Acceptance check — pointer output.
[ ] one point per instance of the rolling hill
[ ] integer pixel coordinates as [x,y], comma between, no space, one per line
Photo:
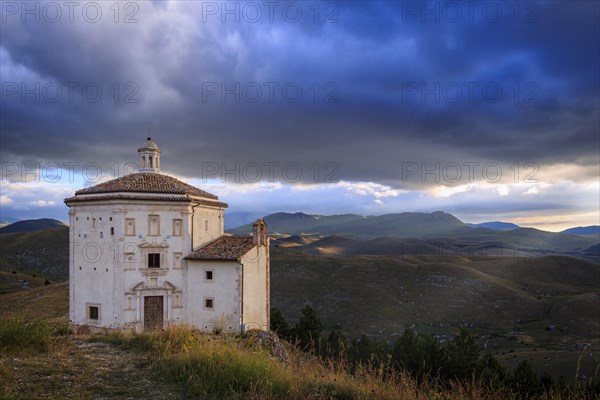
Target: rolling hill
[30,225]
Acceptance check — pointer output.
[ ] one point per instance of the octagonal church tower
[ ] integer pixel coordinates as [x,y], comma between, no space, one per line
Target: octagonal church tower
[147,250]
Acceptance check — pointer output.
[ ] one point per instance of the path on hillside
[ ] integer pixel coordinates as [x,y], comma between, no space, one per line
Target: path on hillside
[83,370]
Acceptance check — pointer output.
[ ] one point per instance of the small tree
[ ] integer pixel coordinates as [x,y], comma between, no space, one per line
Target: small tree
[279,325]
[525,381]
[308,329]
[490,371]
[337,345]
[463,356]
[419,355]
[363,349]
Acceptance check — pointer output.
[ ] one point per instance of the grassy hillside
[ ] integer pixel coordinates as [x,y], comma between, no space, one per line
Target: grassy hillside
[550,304]
[381,295]
[48,302]
[44,252]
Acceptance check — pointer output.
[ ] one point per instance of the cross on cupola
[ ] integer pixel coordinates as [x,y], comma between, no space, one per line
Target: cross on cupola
[149,157]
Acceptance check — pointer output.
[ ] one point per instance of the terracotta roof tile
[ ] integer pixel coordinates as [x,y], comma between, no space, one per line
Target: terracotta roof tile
[147,182]
[158,197]
[224,248]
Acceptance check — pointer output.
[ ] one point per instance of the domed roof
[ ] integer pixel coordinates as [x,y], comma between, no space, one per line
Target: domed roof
[147,185]
[147,182]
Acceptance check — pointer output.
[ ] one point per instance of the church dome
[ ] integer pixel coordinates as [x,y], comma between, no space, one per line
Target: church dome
[148,184]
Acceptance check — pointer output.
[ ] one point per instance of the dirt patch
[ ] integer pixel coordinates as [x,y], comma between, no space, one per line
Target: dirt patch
[83,370]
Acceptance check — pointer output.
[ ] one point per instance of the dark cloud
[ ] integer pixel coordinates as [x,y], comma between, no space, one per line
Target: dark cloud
[372,62]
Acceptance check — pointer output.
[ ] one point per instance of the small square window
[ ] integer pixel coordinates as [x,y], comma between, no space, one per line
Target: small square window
[94,312]
[208,275]
[154,260]
[112,230]
[208,303]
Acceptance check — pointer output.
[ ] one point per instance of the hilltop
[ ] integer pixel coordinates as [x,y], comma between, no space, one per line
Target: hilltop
[30,225]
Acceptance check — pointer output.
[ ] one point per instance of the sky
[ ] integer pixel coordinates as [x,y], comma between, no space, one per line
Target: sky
[487,110]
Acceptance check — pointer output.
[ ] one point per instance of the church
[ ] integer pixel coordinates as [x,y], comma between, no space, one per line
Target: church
[147,251]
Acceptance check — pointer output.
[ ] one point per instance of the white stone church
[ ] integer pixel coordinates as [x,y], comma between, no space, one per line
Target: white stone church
[148,251]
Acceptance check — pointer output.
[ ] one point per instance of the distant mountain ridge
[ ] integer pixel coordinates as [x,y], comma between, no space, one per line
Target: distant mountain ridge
[412,233]
[31,225]
[398,225]
[583,230]
[496,225]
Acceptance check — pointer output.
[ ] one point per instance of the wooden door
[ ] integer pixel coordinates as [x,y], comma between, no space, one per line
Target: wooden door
[153,313]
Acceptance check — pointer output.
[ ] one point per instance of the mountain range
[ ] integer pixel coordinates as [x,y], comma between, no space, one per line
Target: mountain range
[398,225]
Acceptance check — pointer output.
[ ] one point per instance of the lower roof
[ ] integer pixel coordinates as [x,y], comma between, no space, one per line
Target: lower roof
[224,248]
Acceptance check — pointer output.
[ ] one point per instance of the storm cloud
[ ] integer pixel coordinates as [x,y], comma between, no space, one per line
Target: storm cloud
[372,88]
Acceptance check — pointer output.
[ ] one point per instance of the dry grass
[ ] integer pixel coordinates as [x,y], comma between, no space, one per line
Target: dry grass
[226,367]
[50,303]
[183,363]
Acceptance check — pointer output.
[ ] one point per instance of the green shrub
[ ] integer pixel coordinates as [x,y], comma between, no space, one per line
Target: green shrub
[20,335]
[61,330]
